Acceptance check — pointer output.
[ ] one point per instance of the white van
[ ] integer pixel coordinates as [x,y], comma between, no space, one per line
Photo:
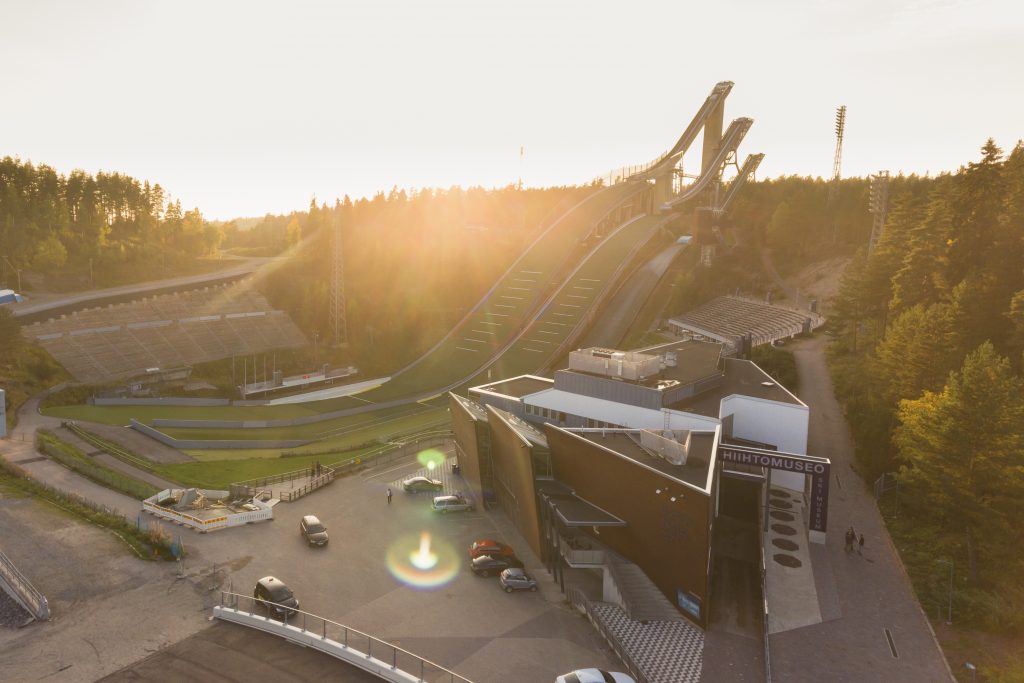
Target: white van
[456,503]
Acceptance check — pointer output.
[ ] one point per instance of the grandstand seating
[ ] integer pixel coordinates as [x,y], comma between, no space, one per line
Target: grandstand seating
[730,318]
[166,330]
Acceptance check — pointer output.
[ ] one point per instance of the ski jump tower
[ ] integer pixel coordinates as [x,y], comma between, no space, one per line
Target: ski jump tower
[672,192]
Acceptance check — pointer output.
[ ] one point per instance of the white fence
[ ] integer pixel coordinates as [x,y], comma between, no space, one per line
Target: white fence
[359,649]
[23,591]
[203,525]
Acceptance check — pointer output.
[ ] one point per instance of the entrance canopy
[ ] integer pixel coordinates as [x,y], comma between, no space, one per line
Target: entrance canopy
[572,510]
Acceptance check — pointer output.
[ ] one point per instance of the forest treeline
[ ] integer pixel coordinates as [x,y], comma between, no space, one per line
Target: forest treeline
[50,221]
[414,263]
[929,337]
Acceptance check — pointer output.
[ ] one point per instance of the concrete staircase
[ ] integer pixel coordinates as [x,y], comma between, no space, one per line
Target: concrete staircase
[637,594]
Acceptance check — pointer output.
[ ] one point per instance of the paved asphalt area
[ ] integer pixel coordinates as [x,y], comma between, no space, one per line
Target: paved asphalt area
[466,623]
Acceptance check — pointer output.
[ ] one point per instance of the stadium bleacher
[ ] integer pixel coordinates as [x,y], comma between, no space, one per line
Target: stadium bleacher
[168,330]
[730,318]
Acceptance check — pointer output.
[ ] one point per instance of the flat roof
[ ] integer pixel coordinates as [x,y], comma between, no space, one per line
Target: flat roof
[627,443]
[516,387]
[475,410]
[615,413]
[695,360]
[742,377]
[524,429]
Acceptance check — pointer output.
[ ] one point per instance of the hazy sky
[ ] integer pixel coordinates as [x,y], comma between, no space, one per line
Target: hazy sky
[244,108]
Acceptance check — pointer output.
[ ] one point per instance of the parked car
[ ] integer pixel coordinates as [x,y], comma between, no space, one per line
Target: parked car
[594,676]
[314,532]
[456,503]
[515,579]
[275,597]
[490,547]
[485,565]
[415,484]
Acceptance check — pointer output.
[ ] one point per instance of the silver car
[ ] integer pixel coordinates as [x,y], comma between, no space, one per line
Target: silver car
[515,579]
[456,503]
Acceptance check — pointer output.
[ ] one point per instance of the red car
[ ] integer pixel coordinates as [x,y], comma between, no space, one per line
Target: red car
[490,547]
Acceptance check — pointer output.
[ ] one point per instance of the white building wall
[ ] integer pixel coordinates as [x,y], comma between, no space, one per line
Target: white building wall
[784,425]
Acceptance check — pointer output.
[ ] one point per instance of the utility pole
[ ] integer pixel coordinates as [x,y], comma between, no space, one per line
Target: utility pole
[837,163]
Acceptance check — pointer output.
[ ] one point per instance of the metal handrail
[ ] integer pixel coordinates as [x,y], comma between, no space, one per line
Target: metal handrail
[231,601]
[578,598]
[24,588]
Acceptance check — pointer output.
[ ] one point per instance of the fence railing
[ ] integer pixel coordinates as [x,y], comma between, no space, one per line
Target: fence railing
[114,450]
[765,615]
[338,640]
[27,593]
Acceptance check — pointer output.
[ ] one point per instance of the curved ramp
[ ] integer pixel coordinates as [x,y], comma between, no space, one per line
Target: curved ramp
[508,307]
[730,141]
[718,94]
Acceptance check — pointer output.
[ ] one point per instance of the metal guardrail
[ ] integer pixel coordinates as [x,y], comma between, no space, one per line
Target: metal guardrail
[764,612]
[35,601]
[336,639]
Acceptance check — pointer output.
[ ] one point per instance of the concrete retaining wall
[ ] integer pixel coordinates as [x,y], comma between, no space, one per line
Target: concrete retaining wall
[184,444]
[166,401]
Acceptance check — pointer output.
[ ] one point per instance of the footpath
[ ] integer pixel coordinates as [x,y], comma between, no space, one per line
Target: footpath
[878,631]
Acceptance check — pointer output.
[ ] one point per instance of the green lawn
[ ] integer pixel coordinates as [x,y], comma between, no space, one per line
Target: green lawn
[370,430]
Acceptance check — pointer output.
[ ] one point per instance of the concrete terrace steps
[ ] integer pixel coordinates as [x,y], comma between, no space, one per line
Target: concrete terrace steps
[641,599]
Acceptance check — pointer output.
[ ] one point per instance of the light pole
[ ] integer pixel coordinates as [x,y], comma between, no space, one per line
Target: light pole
[949,609]
[973,669]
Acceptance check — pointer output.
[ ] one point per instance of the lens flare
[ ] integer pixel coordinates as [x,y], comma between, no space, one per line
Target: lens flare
[422,558]
[431,458]
[422,561]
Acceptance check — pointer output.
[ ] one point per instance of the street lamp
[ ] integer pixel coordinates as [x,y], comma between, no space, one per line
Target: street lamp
[973,669]
[949,609]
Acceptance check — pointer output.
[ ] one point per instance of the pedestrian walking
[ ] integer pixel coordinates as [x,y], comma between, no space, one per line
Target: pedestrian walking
[860,545]
[389,496]
[851,536]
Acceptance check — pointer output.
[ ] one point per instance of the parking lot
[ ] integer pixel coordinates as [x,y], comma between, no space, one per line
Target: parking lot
[465,623]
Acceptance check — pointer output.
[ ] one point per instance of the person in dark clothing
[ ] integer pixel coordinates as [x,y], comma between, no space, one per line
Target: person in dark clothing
[389,496]
[860,545]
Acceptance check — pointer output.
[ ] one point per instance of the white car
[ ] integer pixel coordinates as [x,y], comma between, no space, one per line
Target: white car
[456,503]
[594,676]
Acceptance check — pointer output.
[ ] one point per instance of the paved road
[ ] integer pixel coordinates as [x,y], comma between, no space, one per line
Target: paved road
[873,592]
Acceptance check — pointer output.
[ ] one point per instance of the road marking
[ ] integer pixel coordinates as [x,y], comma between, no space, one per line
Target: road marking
[532,350]
[463,348]
[531,272]
[506,296]
[892,645]
[521,279]
[552,322]
[541,341]
[503,306]
[587,288]
[551,333]
[470,339]
[566,315]
[588,279]
[482,332]
[522,289]
[571,305]
[577,296]
[500,315]
[488,322]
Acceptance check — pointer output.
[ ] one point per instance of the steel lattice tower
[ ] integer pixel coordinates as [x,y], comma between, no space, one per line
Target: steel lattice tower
[339,325]
[878,204]
[838,161]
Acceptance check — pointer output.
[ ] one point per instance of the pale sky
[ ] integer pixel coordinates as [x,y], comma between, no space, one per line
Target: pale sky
[245,108]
